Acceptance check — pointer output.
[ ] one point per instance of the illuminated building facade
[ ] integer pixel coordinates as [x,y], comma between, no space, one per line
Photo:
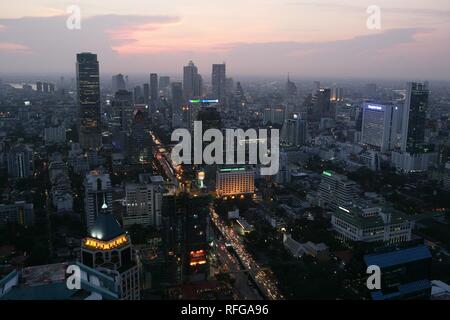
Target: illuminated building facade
[235,181]
[379,126]
[108,249]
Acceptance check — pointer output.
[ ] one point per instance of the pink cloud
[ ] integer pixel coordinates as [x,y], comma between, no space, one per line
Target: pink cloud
[10,46]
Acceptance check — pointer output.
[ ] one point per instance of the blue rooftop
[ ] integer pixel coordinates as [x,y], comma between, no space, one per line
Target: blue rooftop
[403,289]
[402,256]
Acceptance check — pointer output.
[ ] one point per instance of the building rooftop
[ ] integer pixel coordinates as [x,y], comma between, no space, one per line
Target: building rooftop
[355,216]
[402,256]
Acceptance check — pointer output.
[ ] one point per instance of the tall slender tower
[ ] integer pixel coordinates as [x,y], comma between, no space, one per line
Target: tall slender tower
[414,117]
[88,96]
[219,82]
[192,82]
[154,96]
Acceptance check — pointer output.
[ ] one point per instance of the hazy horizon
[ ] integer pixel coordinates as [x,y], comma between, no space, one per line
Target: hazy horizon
[265,38]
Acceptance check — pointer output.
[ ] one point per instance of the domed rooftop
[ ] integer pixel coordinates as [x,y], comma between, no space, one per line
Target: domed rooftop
[106,227]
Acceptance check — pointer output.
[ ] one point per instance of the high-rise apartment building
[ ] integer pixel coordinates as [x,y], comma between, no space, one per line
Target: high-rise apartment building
[143,202]
[20,162]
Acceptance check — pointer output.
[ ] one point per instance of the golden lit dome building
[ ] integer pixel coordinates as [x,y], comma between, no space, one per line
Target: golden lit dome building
[108,249]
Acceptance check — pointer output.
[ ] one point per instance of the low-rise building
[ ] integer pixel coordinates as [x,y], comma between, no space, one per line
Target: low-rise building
[372,224]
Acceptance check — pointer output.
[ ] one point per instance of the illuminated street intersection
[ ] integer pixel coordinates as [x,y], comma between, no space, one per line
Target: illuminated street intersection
[262,277]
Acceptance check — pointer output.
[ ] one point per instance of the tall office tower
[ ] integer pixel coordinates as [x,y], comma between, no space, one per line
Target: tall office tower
[143,204]
[137,93]
[184,235]
[122,110]
[39,87]
[45,87]
[177,104]
[414,117]
[379,126]
[235,181]
[138,145]
[295,131]
[118,83]
[219,82]
[20,162]
[108,249]
[51,87]
[88,93]
[164,83]
[97,190]
[316,88]
[154,91]
[322,105]
[336,190]
[192,82]
[291,88]
[337,94]
[146,93]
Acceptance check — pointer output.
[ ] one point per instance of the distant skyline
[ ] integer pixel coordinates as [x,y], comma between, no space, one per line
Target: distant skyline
[307,38]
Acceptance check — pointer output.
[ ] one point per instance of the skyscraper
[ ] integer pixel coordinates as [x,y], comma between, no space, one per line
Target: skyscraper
[122,106]
[118,83]
[154,95]
[219,81]
[291,88]
[146,93]
[184,236]
[192,82]
[379,126]
[164,82]
[321,104]
[177,103]
[138,95]
[295,131]
[414,117]
[88,94]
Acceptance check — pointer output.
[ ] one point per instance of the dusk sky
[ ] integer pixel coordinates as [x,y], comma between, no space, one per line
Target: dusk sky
[308,38]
